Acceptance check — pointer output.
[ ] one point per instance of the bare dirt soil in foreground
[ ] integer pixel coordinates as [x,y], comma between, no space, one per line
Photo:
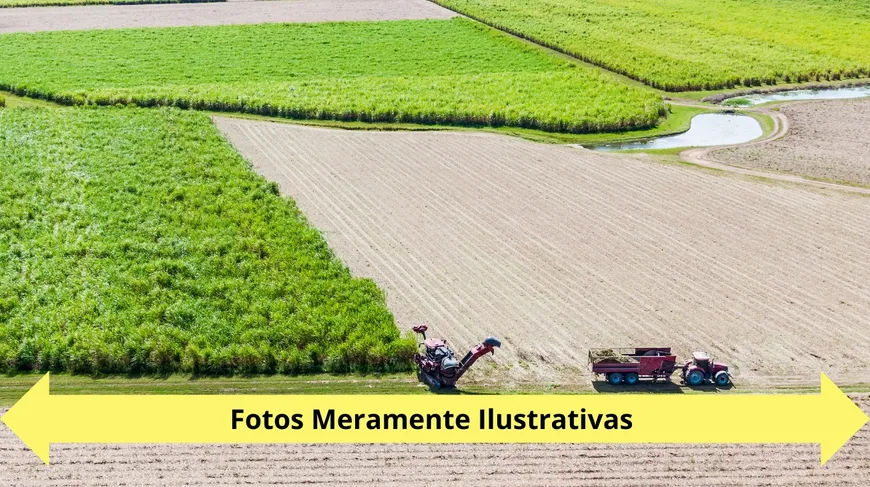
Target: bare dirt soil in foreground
[555,249]
[403,465]
[827,140]
[34,19]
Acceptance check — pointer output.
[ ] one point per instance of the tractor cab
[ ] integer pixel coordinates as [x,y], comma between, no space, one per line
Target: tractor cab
[701,360]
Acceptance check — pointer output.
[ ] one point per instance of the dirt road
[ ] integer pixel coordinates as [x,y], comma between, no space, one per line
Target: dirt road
[35,19]
[828,140]
[555,250]
[402,465]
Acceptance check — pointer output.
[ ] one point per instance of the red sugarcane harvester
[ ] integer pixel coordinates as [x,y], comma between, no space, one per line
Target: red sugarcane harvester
[629,365]
[436,365]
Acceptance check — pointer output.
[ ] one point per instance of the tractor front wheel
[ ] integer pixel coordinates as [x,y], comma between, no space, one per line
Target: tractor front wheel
[631,378]
[695,377]
[615,378]
[722,379]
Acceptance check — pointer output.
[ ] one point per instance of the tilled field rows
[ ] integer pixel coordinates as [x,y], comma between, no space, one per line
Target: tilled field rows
[228,13]
[555,249]
[485,465]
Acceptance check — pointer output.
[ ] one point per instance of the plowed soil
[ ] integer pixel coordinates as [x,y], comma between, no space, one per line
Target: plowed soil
[403,465]
[35,19]
[827,140]
[556,250]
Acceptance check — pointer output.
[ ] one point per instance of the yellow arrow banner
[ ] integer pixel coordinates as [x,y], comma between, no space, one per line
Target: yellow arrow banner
[829,418]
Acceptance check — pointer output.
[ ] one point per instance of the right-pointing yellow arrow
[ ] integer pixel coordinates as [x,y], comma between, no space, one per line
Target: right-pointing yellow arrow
[842,418]
[829,418]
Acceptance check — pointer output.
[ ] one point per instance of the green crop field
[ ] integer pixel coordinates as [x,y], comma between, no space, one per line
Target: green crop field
[139,241]
[431,71]
[682,45]
[45,3]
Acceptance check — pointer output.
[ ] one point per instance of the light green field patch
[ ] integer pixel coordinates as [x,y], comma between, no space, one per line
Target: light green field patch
[682,45]
[430,71]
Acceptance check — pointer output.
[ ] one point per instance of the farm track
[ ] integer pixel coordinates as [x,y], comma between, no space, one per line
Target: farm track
[485,465]
[706,156]
[36,19]
[555,250]
[825,139]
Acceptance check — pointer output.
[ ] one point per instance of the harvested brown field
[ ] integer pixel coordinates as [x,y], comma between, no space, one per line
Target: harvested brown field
[35,19]
[827,140]
[556,250]
[400,465]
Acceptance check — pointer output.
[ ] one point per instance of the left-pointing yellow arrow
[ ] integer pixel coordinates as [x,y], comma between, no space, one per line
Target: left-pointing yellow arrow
[27,417]
[829,418]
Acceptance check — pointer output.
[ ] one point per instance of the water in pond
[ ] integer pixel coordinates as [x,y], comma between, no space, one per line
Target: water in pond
[708,129]
[794,95]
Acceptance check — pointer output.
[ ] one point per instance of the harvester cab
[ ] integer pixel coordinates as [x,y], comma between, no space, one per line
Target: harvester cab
[436,364]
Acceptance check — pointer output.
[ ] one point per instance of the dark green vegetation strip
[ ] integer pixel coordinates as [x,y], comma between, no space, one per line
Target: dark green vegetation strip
[430,71]
[58,3]
[139,241]
[678,120]
[683,45]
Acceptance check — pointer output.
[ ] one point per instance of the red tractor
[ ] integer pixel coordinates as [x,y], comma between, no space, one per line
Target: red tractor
[436,365]
[701,368]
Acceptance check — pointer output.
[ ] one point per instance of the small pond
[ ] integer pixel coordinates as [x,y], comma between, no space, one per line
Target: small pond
[708,129]
[795,95]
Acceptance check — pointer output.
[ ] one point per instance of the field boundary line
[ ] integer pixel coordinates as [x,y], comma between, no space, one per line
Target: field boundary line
[547,45]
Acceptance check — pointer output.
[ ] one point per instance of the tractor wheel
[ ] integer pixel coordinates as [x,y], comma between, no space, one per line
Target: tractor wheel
[631,378]
[695,377]
[615,378]
[722,379]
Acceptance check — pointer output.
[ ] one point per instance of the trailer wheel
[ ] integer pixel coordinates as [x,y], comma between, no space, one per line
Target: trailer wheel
[615,378]
[695,377]
[631,378]
[722,379]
